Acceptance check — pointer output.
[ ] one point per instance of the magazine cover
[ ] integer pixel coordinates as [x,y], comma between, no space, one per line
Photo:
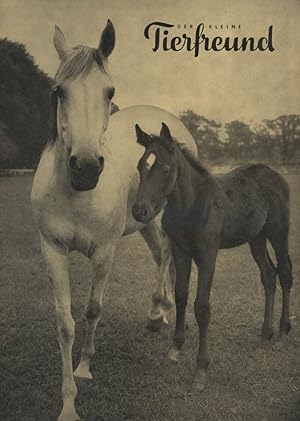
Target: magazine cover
[149,196]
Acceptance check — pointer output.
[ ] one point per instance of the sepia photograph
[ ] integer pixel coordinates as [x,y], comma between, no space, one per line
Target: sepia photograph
[149,196]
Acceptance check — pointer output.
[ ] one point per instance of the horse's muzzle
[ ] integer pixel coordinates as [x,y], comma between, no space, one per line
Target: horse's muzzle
[85,173]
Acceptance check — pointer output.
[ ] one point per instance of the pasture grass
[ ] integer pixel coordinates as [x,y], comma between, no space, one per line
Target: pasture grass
[133,380]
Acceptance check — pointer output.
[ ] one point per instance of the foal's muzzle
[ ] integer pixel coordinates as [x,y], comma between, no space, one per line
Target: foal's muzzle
[141,213]
[85,172]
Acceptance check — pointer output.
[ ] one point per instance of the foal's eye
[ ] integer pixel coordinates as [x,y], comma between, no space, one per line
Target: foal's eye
[110,93]
[166,169]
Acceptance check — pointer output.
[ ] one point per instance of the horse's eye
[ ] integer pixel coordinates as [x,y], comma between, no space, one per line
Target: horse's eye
[59,92]
[110,93]
[139,166]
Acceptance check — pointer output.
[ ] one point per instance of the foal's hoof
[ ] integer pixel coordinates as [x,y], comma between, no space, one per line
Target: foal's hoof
[157,324]
[267,334]
[199,381]
[174,355]
[285,327]
[167,303]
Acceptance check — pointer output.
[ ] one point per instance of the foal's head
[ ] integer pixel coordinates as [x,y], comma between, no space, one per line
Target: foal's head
[158,172]
[82,99]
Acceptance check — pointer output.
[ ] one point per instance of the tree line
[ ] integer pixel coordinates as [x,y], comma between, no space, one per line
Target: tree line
[26,117]
[24,106]
[26,121]
[275,140]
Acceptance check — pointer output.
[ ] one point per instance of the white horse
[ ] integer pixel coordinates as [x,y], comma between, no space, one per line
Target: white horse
[77,209]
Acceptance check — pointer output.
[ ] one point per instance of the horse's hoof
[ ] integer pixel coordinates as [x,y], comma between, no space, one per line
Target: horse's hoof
[69,416]
[174,355]
[199,381]
[155,325]
[83,373]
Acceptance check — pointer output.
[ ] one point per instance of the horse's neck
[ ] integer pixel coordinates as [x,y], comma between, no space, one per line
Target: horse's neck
[61,171]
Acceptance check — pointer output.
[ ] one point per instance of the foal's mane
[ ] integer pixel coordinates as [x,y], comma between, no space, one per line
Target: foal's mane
[77,63]
[191,158]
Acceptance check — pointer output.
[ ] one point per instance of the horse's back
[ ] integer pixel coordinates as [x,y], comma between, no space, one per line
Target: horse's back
[121,130]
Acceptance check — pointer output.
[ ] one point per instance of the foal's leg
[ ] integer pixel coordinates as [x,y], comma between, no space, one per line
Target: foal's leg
[102,261]
[206,267]
[279,240]
[162,297]
[57,264]
[268,277]
[183,265]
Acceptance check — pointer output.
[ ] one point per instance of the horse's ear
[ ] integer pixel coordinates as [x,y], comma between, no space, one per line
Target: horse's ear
[108,40]
[142,137]
[60,42]
[166,136]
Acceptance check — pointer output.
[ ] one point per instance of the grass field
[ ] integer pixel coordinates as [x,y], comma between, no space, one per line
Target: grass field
[133,380]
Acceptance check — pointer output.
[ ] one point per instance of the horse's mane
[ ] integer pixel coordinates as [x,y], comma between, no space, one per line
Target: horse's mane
[77,63]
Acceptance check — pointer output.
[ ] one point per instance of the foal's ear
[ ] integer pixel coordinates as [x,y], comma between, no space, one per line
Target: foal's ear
[166,137]
[108,40]
[142,137]
[60,42]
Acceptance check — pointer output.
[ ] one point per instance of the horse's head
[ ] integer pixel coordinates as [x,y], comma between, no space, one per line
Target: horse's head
[82,98]
[158,172]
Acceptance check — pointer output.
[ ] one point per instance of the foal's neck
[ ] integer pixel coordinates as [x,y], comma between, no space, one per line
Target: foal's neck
[189,180]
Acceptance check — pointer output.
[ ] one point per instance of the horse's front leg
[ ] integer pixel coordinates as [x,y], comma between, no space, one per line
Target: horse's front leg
[102,261]
[206,263]
[57,263]
[162,297]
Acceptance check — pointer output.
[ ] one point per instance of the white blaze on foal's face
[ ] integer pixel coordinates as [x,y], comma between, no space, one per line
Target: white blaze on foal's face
[150,161]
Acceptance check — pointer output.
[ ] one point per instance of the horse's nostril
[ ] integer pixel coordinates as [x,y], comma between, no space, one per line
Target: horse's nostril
[101,162]
[74,162]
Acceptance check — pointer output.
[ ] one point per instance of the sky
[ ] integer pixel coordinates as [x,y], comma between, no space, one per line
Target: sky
[223,86]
